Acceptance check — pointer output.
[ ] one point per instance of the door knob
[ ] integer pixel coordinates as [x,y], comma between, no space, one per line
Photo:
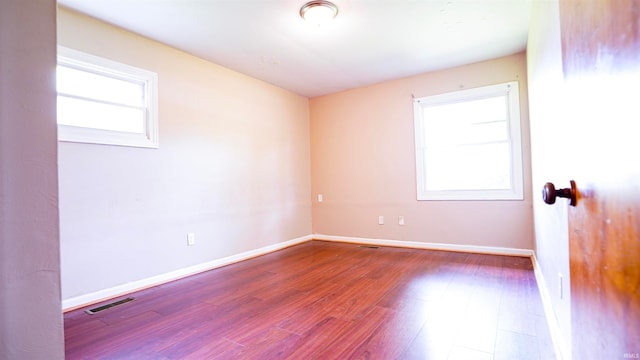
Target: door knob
[550,193]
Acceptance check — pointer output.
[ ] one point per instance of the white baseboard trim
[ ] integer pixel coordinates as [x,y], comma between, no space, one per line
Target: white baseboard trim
[429,246]
[559,343]
[105,294]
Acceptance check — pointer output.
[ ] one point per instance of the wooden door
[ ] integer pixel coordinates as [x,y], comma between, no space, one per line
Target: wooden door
[601,65]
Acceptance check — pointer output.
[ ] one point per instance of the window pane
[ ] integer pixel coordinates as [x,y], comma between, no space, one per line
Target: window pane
[89,114]
[479,167]
[468,144]
[86,84]
[443,134]
[472,122]
[469,112]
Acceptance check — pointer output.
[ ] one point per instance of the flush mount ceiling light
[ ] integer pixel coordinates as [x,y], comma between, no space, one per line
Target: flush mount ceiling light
[319,12]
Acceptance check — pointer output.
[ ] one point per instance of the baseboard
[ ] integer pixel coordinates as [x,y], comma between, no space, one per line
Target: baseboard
[429,246]
[559,343]
[105,294]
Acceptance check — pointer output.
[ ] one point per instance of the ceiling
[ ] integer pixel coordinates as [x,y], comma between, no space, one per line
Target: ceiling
[370,41]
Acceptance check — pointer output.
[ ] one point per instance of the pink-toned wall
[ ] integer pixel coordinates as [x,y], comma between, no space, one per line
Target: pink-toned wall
[232,167]
[363,163]
[30,315]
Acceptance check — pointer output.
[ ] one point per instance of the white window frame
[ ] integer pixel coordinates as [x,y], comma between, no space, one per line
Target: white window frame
[515,191]
[101,66]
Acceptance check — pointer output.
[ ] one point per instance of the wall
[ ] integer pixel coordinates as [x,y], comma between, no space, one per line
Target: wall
[363,162]
[232,167]
[544,57]
[30,317]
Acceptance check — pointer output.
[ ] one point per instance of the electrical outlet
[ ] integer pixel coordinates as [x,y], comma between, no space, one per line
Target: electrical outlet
[401,220]
[191,239]
[380,220]
[320,198]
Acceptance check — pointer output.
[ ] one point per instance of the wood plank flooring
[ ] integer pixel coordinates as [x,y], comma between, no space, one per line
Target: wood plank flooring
[322,300]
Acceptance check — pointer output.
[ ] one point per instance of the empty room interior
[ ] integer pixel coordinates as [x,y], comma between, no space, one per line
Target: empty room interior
[235,179]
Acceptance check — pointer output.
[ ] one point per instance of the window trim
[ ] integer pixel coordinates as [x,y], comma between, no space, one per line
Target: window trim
[91,63]
[516,190]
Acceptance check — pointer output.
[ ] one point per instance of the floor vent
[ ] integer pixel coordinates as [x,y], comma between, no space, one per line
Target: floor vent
[370,246]
[110,305]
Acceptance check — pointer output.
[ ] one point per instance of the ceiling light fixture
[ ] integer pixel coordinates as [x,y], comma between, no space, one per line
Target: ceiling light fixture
[318,12]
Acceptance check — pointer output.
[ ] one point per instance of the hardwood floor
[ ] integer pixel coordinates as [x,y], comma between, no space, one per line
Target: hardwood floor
[322,300]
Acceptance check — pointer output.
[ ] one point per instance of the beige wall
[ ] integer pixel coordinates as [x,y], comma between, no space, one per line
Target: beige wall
[30,316]
[363,163]
[232,167]
[546,82]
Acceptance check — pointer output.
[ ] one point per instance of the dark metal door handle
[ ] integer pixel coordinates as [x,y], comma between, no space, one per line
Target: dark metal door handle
[549,193]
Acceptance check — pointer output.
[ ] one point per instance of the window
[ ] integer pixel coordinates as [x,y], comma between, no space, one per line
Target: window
[105,102]
[468,144]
